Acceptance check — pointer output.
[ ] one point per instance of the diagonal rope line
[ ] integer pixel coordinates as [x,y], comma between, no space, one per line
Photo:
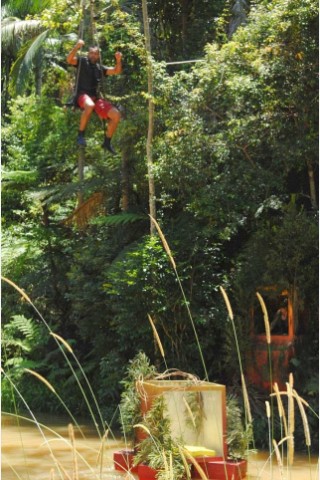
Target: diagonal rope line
[184,61]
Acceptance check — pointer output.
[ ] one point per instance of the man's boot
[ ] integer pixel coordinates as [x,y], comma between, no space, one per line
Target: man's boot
[81,140]
[107,145]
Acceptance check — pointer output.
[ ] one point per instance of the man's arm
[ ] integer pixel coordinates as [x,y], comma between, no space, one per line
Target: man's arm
[117,69]
[72,58]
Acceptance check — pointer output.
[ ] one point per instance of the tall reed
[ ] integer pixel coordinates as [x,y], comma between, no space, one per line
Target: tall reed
[291,423]
[305,424]
[52,389]
[292,395]
[58,437]
[101,453]
[246,403]
[173,263]
[268,334]
[74,452]
[282,416]
[33,417]
[27,298]
[268,339]
[15,408]
[279,458]
[156,336]
[268,413]
[196,465]
[86,379]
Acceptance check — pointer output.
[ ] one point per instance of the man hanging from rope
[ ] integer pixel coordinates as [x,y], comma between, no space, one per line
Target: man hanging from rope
[89,75]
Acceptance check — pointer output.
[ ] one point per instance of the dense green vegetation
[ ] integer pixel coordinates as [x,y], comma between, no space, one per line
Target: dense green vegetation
[235,153]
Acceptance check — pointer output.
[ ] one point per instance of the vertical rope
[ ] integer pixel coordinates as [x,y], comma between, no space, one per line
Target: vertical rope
[80,36]
[81,155]
[93,30]
[152,195]
[95,41]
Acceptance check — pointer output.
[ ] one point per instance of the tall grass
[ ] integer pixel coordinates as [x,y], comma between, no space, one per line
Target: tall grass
[58,341]
[159,343]
[268,340]
[268,336]
[34,419]
[246,403]
[268,413]
[52,389]
[69,443]
[186,303]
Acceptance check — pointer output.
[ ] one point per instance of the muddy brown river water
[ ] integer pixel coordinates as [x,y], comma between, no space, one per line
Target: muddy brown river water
[28,454]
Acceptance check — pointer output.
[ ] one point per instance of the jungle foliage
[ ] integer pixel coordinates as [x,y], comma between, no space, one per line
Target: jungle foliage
[235,164]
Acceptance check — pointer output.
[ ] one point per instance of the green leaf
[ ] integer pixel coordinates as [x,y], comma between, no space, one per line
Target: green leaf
[120,219]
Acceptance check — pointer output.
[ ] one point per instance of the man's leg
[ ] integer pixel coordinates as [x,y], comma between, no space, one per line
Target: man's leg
[87,104]
[111,114]
[113,120]
[112,124]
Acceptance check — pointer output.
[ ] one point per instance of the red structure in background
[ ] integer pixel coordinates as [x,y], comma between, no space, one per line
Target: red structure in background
[286,319]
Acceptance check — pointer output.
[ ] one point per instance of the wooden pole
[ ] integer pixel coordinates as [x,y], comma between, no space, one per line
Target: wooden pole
[152,196]
[81,161]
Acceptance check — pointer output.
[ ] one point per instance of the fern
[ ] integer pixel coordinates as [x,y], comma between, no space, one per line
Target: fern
[130,401]
[20,337]
[238,437]
[21,363]
[159,450]
[121,219]
[29,329]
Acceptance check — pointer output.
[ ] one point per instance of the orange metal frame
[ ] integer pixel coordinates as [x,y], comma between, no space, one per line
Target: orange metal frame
[281,350]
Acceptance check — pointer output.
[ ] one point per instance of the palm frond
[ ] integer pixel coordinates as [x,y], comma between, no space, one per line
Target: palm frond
[6,21]
[22,67]
[21,8]
[58,193]
[14,29]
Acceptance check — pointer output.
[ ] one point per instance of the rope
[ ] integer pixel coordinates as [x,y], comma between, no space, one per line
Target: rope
[184,61]
[96,41]
[81,155]
[81,30]
[92,22]
[100,88]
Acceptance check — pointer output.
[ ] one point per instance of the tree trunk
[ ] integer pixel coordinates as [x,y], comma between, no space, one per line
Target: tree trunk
[125,184]
[184,23]
[38,75]
[81,159]
[152,196]
[312,185]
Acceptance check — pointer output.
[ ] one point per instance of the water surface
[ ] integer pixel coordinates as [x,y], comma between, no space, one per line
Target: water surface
[31,454]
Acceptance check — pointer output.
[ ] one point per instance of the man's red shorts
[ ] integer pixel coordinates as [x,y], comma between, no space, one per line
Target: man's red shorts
[101,108]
